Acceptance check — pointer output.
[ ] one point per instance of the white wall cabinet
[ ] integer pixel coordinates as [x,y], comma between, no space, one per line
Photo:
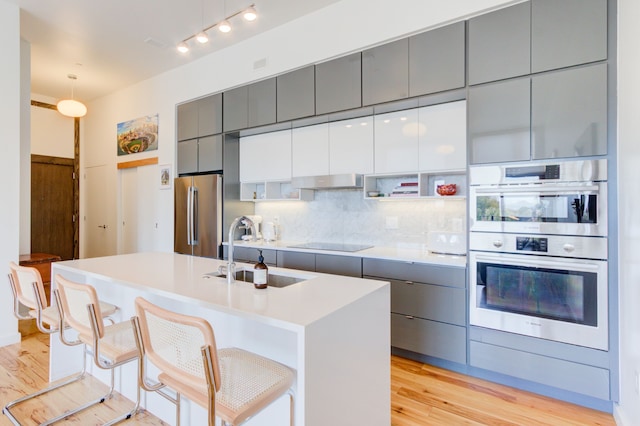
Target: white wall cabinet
[266,157]
[351,146]
[443,137]
[396,141]
[310,150]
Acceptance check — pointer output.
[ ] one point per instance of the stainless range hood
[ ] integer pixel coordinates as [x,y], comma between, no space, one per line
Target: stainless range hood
[347,180]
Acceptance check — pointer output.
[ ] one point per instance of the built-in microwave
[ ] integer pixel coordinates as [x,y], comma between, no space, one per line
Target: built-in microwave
[568,198]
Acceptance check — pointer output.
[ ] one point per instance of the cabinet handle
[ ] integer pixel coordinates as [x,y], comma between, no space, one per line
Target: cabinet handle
[409,282]
[409,317]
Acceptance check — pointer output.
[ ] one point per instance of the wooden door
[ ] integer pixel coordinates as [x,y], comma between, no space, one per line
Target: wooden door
[52,216]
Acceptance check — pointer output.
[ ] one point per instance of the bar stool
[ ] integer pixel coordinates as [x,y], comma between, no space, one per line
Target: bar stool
[112,345]
[231,383]
[28,290]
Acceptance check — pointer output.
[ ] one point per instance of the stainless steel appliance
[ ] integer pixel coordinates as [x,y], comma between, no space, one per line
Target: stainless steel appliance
[568,198]
[538,251]
[198,215]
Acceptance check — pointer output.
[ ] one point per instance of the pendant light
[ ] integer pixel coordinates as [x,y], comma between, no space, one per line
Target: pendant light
[71,107]
[250,14]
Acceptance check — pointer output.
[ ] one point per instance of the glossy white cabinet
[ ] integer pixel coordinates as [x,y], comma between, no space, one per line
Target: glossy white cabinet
[265,157]
[443,137]
[310,150]
[396,141]
[351,146]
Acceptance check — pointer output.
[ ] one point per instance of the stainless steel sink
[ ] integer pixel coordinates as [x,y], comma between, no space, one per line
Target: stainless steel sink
[273,279]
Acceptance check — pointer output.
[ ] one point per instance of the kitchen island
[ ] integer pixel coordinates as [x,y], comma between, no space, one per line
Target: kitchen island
[333,331]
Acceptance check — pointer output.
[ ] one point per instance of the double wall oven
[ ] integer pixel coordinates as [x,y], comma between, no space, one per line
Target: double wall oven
[538,250]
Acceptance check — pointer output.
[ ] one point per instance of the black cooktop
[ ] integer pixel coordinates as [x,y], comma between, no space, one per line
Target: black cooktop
[332,246]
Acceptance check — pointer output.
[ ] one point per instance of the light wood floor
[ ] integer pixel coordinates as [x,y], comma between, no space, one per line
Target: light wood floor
[420,395]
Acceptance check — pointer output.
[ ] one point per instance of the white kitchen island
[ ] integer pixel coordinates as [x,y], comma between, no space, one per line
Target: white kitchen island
[333,330]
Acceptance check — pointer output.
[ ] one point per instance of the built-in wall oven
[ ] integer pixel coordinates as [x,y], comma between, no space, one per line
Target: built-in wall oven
[538,251]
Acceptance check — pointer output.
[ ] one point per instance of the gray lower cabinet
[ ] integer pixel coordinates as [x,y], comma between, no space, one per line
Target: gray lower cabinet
[437,60]
[385,72]
[569,113]
[339,265]
[428,307]
[567,32]
[339,84]
[296,260]
[549,370]
[499,121]
[499,44]
[250,255]
[250,106]
[296,94]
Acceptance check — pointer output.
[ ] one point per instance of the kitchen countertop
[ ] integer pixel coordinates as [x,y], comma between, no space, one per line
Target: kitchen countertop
[183,277]
[400,252]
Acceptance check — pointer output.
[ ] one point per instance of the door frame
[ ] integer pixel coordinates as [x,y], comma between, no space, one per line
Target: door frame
[76,174]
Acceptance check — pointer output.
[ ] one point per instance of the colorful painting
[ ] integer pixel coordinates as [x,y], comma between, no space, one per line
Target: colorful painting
[139,135]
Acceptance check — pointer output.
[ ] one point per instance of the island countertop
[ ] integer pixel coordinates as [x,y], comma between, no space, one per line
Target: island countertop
[334,331]
[183,277]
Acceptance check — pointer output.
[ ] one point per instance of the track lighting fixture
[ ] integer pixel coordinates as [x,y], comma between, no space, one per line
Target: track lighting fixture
[249,13]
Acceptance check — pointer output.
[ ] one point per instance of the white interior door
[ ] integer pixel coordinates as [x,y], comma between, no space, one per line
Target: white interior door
[129,216]
[96,213]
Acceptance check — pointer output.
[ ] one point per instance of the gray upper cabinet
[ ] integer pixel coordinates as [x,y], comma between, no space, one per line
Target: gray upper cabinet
[261,103]
[569,113]
[499,121]
[210,115]
[236,114]
[385,73]
[339,84]
[499,44]
[436,60]
[202,117]
[296,94]
[567,32]
[250,106]
[187,120]
[188,156]
[210,153]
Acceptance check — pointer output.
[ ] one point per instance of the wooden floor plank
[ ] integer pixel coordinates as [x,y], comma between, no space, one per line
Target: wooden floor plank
[421,395]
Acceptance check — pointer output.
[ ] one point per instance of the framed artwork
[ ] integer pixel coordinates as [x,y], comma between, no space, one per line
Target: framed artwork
[138,135]
[165,176]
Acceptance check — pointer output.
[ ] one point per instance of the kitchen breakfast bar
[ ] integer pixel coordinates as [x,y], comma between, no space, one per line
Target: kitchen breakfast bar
[334,331]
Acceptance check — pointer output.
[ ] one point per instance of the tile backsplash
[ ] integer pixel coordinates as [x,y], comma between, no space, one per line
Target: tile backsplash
[345,216]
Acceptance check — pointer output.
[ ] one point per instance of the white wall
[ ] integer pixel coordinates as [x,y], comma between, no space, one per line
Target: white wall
[328,33]
[51,132]
[10,146]
[628,412]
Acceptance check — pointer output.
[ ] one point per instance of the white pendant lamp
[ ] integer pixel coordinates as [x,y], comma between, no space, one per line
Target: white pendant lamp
[71,107]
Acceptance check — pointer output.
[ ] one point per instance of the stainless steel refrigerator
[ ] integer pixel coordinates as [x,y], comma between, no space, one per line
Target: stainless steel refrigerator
[198,215]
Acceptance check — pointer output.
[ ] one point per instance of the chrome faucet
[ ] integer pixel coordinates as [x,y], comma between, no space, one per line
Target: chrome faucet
[231,266]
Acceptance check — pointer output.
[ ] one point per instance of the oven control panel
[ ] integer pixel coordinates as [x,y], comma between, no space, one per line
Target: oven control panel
[536,244]
[569,246]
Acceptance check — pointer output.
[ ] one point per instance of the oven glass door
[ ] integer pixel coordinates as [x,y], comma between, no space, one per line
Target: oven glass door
[559,299]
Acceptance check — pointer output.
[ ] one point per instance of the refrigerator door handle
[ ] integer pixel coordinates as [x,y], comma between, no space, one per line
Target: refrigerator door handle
[189,208]
[194,218]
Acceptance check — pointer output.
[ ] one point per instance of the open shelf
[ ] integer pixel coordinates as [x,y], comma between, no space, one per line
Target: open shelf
[414,185]
[273,191]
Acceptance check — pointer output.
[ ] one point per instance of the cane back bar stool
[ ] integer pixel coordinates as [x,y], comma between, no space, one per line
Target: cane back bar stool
[112,345]
[230,383]
[28,290]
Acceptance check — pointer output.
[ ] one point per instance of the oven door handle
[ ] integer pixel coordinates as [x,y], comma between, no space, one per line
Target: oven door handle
[557,189]
[540,263]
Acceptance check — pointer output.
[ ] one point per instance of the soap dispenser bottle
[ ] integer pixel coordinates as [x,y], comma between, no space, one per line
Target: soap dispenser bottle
[260,272]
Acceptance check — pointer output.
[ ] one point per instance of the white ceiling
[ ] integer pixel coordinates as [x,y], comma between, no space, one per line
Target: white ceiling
[113,44]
